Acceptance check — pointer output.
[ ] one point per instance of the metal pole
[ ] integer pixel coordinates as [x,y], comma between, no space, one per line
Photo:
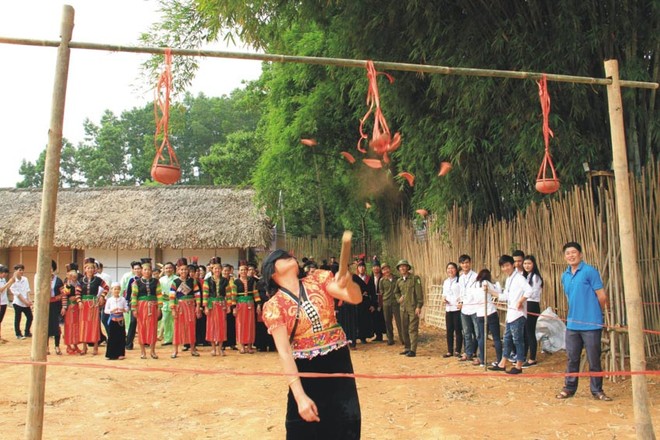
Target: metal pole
[630,270]
[37,388]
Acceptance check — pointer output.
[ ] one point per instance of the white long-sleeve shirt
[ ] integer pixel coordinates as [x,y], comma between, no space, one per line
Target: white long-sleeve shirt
[112,303]
[515,288]
[21,291]
[492,308]
[537,288]
[451,292]
[465,281]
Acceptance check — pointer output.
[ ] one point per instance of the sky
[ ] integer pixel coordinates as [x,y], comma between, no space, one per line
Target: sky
[97,80]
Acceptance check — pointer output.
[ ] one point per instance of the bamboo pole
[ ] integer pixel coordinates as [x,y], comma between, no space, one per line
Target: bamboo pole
[37,388]
[343,62]
[628,255]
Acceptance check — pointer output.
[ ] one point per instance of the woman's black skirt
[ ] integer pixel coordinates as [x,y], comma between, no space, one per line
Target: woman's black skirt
[116,340]
[336,399]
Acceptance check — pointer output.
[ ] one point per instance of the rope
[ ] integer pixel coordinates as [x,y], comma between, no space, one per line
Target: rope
[381,139]
[544,97]
[162,113]
[262,374]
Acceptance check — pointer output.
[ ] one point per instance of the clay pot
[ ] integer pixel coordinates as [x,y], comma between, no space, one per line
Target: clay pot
[547,186]
[165,174]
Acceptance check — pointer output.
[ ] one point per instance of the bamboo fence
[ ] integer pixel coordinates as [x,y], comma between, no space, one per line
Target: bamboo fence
[586,214]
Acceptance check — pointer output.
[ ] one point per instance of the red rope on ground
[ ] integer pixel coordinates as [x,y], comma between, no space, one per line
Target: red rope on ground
[330,375]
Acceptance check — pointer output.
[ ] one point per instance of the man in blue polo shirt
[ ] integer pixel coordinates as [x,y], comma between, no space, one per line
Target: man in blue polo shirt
[586,303]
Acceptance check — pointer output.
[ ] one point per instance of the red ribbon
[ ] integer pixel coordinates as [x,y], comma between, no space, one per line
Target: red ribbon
[162,112]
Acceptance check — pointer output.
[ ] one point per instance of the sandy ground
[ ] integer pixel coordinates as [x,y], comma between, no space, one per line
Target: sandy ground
[111,403]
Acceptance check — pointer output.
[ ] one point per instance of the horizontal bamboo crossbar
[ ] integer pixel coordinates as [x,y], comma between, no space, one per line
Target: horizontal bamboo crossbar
[342,62]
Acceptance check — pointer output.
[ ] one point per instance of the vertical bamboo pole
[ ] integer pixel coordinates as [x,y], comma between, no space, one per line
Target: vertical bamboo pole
[628,245]
[37,388]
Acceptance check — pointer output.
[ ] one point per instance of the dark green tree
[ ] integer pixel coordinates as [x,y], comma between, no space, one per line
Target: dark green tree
[490,129]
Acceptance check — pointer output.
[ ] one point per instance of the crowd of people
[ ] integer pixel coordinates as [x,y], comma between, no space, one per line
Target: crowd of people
[180,305]
[471,313]
[185,305]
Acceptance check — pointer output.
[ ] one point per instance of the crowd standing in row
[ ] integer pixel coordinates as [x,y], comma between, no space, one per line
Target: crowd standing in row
[188,306]
[471,304]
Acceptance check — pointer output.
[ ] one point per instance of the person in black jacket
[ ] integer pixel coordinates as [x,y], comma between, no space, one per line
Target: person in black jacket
[55,307]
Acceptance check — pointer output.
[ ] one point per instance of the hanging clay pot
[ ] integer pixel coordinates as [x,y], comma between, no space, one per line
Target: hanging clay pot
[547,186]
[165,174]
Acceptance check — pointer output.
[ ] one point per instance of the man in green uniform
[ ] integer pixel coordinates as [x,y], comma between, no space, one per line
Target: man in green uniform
[409,286]
[391,308]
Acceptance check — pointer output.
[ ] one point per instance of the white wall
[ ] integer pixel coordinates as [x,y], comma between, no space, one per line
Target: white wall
[117,262]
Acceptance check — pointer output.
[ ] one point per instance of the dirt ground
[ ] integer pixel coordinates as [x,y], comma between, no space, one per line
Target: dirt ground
[115,403]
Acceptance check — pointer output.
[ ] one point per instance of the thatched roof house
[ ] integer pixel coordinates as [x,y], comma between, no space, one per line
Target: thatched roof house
[138,217]
[117,224]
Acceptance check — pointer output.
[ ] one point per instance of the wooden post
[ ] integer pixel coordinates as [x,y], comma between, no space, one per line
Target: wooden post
[37,388]
[630,270]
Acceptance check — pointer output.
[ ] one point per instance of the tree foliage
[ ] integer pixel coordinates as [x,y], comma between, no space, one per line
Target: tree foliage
[490,129]
[119,149]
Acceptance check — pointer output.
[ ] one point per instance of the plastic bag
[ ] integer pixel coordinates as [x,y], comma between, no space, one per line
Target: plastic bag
[551,332]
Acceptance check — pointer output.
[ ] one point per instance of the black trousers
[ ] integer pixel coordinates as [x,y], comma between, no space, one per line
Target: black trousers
[533,311]
[454,331]
[18,311]
[54,310]
[132,329]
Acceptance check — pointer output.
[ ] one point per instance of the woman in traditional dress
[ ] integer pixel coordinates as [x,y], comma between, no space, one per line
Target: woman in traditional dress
[231,320]
[115,307]
[215,308]
[92,293]
[71,309]
[185,304]
[55,307]
[245,297]
[301,318]
[146,304]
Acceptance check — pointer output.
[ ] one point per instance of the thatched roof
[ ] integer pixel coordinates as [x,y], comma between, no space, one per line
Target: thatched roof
[138,217]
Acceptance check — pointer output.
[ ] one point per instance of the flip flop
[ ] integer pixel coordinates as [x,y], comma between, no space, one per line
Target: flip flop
[496,368]
[602,396]
[154,356]
[143,356]
[174,355]
[565,394]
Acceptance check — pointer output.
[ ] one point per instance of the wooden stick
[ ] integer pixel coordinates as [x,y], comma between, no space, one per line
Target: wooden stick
[37,387]
[345,254]
[342,62]
[643,421]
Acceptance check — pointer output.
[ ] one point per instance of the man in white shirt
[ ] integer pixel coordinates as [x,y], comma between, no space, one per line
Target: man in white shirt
[22,304]
[516,292]
[4,287]
[467,279]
